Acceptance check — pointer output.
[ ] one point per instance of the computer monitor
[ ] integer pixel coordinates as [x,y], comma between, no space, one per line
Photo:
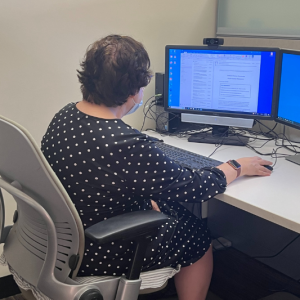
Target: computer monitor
[289,93]
[221,86]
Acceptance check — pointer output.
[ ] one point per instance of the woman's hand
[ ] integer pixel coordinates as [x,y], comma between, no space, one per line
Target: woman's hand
[254,166]
[249,166]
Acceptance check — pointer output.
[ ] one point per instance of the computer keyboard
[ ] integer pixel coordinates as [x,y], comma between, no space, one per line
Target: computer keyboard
[186,158]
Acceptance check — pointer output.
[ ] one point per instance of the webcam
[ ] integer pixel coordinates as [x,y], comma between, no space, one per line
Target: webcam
[213,41]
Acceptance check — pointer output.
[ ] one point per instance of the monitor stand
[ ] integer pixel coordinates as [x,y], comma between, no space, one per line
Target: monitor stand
[294,158]
[219,136]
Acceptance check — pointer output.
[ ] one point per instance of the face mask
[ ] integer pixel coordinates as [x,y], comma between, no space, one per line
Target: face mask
[135,107]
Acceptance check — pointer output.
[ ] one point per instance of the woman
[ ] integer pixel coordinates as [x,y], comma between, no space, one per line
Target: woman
[108,168]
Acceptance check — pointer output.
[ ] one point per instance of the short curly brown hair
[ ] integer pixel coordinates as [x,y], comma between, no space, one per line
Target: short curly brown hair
[113,69]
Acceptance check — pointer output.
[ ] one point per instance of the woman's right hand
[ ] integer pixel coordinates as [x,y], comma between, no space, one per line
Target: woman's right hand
[254,166]
[250,166]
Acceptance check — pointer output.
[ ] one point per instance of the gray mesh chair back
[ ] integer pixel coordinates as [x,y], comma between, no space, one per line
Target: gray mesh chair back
[48,230]
[2,218]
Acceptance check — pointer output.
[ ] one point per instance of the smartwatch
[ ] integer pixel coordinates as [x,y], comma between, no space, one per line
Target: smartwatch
[235,165]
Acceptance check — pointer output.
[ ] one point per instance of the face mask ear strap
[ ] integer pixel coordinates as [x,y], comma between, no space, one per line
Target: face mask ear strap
[135,107]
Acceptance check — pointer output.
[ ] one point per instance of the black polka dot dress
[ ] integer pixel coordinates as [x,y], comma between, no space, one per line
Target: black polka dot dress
[108,169]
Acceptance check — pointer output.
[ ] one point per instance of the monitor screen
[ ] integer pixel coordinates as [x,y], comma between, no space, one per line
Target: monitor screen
[221,81]
[289,93]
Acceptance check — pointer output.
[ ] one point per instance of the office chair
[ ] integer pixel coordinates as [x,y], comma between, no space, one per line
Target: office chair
[45,246]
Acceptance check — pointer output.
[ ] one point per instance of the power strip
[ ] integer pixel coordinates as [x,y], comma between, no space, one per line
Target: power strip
[221,244]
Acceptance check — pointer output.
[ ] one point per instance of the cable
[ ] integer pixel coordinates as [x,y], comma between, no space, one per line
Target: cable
[224,134]
[270,130]
[274,164]
[272,256]
[270,135]
[149,108]
[145,114]
[287,147]
[217,147]
[163,118]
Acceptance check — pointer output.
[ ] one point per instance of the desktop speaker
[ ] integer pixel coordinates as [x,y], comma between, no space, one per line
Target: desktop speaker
[159,88]
[165,121]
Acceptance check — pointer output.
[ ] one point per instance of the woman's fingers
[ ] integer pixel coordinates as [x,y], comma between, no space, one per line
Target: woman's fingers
[265,162]
[264,171]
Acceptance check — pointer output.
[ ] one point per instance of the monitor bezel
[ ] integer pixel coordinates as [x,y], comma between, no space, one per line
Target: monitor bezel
[284,51]
[223,114]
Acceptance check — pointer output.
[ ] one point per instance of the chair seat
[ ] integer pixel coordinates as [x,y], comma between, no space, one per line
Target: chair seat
[150,279]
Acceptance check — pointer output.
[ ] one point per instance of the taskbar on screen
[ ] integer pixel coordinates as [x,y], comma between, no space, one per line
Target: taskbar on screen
[219,111]
[289,121]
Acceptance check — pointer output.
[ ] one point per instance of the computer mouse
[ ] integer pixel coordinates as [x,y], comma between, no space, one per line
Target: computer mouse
[268,167]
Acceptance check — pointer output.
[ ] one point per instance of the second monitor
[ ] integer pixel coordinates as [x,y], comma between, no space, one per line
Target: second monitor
[222,87]
[289,94]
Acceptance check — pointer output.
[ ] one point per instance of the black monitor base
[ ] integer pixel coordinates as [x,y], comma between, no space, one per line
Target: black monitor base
[219,140]
[220,135]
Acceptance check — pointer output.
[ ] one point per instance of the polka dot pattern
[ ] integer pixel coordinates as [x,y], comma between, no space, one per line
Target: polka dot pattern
[108,169]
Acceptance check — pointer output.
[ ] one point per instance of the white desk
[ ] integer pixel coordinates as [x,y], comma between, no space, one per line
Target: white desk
[275,198]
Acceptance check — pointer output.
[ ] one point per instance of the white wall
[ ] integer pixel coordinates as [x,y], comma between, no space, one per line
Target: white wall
[43,42]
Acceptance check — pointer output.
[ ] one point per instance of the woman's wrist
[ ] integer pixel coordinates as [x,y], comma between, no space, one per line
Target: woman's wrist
[243,169]
[229,171]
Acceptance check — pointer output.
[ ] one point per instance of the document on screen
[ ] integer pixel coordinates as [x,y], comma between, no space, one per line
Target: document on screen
[227,82]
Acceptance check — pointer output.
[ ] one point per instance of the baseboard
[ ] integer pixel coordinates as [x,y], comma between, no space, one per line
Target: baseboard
[8,287]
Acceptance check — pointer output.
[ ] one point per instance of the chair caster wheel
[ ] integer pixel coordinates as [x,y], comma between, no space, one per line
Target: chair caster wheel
[91,295]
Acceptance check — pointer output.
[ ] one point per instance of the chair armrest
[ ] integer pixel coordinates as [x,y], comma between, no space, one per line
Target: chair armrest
[126,226]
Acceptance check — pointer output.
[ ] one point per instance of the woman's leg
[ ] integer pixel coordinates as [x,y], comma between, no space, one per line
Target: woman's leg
[192,282]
